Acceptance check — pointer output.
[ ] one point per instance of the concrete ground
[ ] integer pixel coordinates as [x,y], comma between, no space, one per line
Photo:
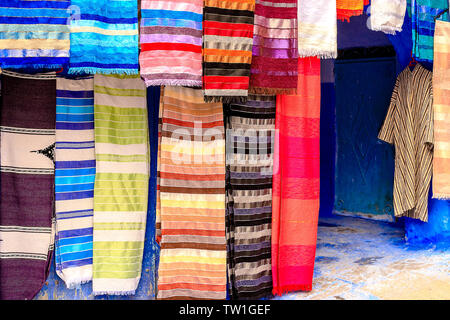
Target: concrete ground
[363,259]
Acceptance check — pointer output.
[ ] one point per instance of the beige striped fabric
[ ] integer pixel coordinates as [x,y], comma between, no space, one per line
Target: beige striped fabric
[409,127]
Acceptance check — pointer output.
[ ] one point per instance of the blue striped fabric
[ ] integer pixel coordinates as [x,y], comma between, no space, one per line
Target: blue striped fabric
[34,34]
[104,37]
[74,179]
[422,23]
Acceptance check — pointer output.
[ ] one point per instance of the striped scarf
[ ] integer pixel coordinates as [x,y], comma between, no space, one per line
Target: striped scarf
[27,131]
[296,182]
[104,37]
[346,9]
[422,18]
[317,29]
[250,138]
[274,61]
[192,197]
[74,179]
[34,34]
[227,49]
[441,109]
[171,42]
[387,15]
[121,183]
[158,169]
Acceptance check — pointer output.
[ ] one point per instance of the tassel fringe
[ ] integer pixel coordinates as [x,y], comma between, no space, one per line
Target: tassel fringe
[292,288]
[272,91]
[225,99]
[172,82]
[77,283]
[114,293]
[93,70]
[386,29]
[441,196]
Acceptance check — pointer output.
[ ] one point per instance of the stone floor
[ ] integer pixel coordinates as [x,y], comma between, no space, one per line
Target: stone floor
[363,259]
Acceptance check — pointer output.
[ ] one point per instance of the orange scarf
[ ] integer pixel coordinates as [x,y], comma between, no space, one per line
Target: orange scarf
[349,8]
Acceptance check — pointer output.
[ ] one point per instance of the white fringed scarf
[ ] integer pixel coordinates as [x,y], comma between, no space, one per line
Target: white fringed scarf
[387,15]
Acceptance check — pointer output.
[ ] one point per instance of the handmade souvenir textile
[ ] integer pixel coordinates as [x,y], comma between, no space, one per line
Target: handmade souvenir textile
[250,139]
[192,194]
[274,60]
[349,8]
[34,34]
[74,179]
[27,134]
[104,37]
[317,29]
[296,182]
[121,183]
[422,18]
[411,99]
[171,42]
[227,49]
[158,168]
[387,15]
[441,109]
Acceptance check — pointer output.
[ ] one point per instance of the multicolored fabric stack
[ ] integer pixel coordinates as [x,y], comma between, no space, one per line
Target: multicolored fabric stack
[104,37]
[296,182]
[441,109]
[171,42]
[192,197]
[74,179]
[274,60]
[27,131]
[350,8]
[121,183]
[34,34]
[423,24]
[250,140]
[227,49]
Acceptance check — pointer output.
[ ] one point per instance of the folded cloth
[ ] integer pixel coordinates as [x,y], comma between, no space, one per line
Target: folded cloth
[192,262]
[34,34]
[27,133]
[387,15]
[296,182]
[250,139]
[74,179]
[441,109]
[227,49]
[274,60]
[171,42]
[349,8]
[104,37]
[317,29]
[121,183]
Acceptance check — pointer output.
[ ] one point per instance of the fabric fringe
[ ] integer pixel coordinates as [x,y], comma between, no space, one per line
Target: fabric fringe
[387,30]
[441,196]
[271,91]
[291,288]
[114,293]
[172,82]
[33,66]
[225,99]
[345,15]
[77,283]
[317,53]
[93,70]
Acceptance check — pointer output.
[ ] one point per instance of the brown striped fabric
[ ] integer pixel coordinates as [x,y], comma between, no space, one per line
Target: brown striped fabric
[409,127]
[191,197]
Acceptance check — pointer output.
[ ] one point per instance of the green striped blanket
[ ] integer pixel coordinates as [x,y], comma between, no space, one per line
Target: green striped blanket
[121,184]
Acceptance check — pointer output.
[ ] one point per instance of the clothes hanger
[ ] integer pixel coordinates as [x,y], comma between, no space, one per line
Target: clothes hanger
[59,71]
[413,61]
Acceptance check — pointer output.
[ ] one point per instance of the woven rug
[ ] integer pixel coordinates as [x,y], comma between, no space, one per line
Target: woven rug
[317,29]
[171,42]
[250,139]
[441,109]
[27,134]
[227,49]
[387,15]
[34,34]
[104,37]
[121,183]
[346,9]
[274,60]
[192,197]
[74,179]
[296,182]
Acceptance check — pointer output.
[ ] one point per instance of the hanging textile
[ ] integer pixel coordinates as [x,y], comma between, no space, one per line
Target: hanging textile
[317,29]
[410,112]
[296,182]
[441,109]
[227,49]
[250,138]
[34,34]
[422,17]
[27,135]
[350,8]
[171,42]
[158,168]
[274,60]
[121,183]
[104,37]
[192,197]
[387,15]
[74,179]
